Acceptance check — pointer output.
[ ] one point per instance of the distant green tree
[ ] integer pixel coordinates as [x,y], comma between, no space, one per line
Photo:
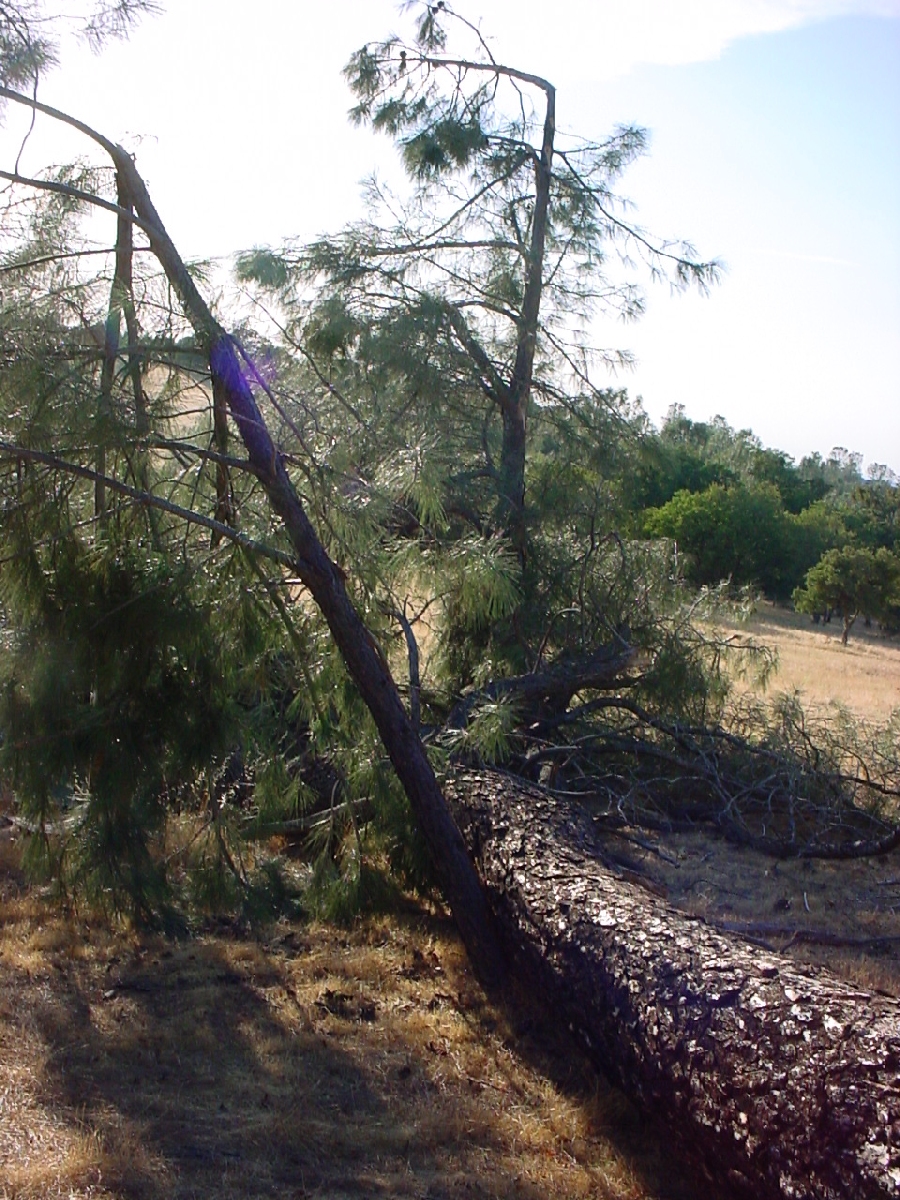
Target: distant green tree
[840,472]
[817,528]
[660,468]
[739,533]
[871,513]
[691,455]
[854,581]
[797,493]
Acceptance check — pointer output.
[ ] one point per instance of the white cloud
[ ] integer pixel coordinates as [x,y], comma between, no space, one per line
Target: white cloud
[603,39]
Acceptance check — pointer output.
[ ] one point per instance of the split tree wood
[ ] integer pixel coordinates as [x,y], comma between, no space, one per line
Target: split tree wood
[775,1079]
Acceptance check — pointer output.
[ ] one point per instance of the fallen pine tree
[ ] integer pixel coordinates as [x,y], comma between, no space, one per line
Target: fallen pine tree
[783,1080]
[775,1079]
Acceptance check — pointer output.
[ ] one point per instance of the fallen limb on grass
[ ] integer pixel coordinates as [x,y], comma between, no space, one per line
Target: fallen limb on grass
[795,933]
[776,1079]
[550,691]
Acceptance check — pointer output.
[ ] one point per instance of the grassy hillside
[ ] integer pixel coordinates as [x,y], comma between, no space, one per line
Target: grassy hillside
[863,675]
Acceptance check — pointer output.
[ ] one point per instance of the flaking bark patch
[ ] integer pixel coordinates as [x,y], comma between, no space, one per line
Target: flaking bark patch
[780,1080]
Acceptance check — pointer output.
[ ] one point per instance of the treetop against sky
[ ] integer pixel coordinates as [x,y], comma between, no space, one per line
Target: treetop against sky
[775,145]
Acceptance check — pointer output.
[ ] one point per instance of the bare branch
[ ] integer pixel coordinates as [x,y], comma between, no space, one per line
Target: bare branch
[147,499]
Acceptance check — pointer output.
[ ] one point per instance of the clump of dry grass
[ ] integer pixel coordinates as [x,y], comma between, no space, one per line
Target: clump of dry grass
[863,676]
[317,1063]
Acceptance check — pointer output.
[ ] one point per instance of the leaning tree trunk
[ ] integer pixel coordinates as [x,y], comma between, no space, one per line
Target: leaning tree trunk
[361,656]
[776,1079]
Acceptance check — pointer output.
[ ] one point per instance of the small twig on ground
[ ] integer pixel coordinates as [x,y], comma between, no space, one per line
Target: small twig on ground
[648,846]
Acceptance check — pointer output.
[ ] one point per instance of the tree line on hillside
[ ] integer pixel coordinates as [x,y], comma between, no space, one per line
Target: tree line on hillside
[817,533]
[271,579]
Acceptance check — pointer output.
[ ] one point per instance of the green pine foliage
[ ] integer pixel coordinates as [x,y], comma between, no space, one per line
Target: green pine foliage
[170,698]
[114,700]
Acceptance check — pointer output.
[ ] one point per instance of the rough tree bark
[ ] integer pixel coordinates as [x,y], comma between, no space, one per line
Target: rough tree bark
[777,1080]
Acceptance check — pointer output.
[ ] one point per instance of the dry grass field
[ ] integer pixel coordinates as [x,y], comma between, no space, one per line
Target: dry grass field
[314,1062]
[864,675]
[326,1063]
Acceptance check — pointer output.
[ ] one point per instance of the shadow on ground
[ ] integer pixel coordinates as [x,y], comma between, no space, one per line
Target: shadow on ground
[319,1064]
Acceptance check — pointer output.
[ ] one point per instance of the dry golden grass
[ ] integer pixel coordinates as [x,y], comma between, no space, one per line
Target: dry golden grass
[864,675]
[787,900]
[318,1063]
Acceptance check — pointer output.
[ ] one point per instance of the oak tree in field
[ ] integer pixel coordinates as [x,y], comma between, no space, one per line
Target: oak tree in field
[853,581]
[739,533]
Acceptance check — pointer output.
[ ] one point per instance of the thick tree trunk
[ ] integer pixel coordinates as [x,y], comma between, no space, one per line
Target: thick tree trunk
[778,1080]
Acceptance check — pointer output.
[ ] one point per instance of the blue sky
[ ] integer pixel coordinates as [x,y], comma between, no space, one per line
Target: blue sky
[775,145]
[783,157]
